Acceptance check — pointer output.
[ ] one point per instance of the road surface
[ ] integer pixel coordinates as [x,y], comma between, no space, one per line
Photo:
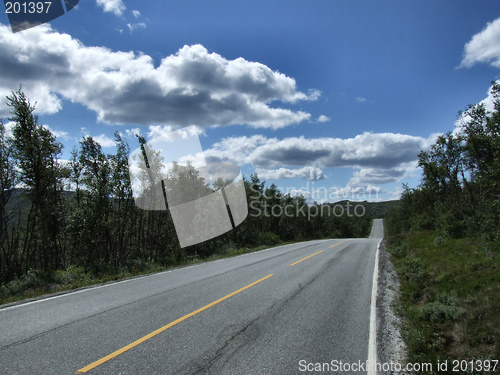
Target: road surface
[284,310]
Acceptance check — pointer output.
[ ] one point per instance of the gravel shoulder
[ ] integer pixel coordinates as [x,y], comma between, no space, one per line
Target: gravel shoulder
[390,345]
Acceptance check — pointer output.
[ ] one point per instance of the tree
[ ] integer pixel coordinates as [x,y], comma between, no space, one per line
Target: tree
[123,203]
[482,135]
[8,180]
[460,189]
[36,152]
[96,206]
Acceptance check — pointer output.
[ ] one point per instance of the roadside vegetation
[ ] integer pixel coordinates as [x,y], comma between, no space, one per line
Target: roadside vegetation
[66,224]
[444,239]
[36,284]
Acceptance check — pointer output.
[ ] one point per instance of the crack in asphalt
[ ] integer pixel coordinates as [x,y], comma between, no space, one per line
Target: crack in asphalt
[230,343]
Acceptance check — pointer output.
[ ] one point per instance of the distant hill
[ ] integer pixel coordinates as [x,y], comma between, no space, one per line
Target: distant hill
[375,209]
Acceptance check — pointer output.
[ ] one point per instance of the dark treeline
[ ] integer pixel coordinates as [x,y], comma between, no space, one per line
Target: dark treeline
[56,215]
[460,190]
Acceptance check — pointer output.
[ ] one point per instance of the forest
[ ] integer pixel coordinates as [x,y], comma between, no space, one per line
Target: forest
[444,241]
[79,215]
[459,194]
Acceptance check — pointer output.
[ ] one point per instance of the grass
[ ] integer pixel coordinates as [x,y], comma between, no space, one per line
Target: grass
[450,297]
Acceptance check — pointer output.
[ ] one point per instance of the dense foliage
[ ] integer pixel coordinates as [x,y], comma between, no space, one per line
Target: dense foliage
[80,215]
[460,190]
[445,245]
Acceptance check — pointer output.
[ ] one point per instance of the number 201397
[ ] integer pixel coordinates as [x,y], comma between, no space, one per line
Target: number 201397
[31,7]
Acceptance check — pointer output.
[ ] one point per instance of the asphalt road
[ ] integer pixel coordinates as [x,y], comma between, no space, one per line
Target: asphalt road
[277,311]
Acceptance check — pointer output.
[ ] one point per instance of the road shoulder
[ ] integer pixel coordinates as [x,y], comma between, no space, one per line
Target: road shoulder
[390,345]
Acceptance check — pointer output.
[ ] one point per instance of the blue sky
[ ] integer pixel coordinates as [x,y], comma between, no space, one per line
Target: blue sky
[328,95]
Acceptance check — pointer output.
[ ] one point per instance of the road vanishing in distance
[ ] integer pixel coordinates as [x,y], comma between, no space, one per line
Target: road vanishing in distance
[276,311]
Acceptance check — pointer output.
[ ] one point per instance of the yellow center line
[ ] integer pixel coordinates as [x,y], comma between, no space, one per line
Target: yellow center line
[154,333]
[293,264]
[336,244]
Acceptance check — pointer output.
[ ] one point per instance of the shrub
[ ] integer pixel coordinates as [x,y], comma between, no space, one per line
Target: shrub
[412,270]
[270,238]
[446,309]
[72,276]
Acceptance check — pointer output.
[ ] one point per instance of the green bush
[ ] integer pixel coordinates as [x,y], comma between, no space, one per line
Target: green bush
[446,309]
[400,251]
[32,280]
[412,270]
[72,276]
[270,238]
[440,238]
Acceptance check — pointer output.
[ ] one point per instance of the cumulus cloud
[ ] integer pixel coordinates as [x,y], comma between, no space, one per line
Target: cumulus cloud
[366,182]
[323,118]
[235,149]
[104,141]
[377,158]
[378,176]
[167,133]
[484,47]
[308,173]
[192,86]
[112,6]
[366,150]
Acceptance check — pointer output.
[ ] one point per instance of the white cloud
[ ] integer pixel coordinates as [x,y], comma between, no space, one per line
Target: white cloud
[323,118]
[360,99]
[170,134]
[357,193]
[377,158]
[189,87]
[112,6]
[489,105]
[366,150]
[8,128]
[313,94]
[235,149]
[132,132]
[104,141]
[308,173]
[394,194]
[46,102]
[136,26]
[372,176]
[58,133]
[136,13]
[484,47]
[298,192]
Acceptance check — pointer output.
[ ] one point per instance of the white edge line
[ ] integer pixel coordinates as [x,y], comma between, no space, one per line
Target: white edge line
[118,282]
[372,340]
